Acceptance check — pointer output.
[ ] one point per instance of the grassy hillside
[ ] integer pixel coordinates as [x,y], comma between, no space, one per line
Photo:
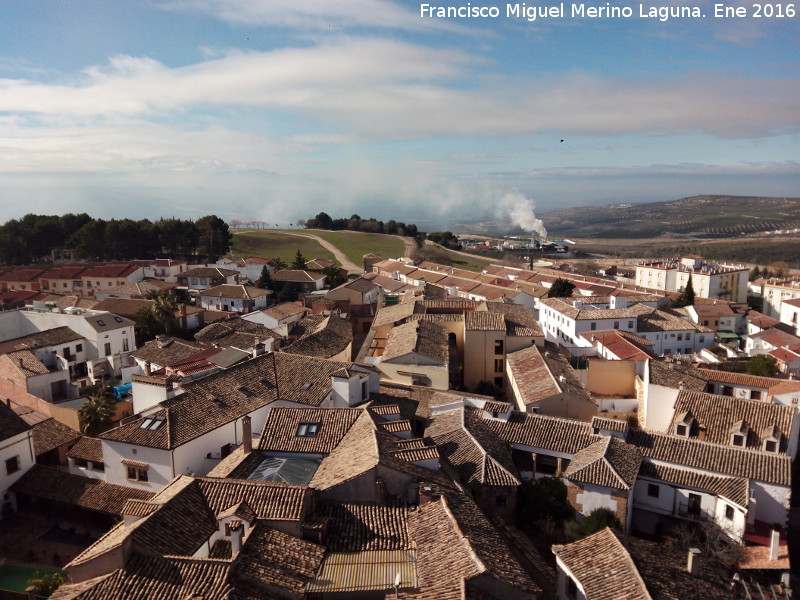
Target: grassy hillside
[705,216]
[274,243]
[356,244]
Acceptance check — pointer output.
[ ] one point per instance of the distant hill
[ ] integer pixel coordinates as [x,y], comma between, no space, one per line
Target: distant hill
[707,216]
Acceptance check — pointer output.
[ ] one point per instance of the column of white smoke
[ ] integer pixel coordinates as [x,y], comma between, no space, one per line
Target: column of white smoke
[520,210]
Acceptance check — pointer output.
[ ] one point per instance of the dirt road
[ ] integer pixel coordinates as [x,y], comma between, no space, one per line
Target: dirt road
[346,263]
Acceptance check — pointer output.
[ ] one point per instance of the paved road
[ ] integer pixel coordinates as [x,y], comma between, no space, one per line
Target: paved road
[346,263]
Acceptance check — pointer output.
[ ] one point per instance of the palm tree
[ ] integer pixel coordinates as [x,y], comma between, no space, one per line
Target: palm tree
[96,414]
[279,264]
[163,309]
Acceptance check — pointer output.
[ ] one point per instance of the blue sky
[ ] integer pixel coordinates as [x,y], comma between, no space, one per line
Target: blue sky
[276,109]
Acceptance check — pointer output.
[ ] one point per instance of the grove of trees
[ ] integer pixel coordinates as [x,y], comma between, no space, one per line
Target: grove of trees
[355,223]
[32,238]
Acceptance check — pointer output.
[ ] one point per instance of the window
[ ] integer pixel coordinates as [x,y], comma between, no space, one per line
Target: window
[125,346]
[107,349]
[12,465]
[118,319]
[498,347]
[729,512]
[616,324]
[755,395]
[630,324]
[680,337]
[136,474]
[682,430]
[307,429]
[246,392]
[572,589]
[593,326]
[771,446]
[81,462]
[78,348]
[98,466]
[702,339]
[101,322]
[652,490]
[546,464]
[498,365]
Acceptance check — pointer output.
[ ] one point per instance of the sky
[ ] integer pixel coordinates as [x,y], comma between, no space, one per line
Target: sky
[275,110]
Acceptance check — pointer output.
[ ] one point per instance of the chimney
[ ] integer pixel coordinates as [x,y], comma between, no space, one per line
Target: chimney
[147,369]
[426,495]
[693,561]
[247,435]
[774,542]
[21,363]
[237,532]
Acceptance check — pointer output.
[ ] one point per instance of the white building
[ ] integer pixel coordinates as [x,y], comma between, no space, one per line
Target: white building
[235,298]
[777,291]
[723,282]
[16,455]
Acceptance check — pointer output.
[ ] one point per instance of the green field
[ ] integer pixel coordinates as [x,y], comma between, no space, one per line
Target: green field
[274,243]
[471,263]
[356,244]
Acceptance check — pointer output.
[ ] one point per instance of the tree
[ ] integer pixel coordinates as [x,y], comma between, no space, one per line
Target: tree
[265,279]
[596,520]
[279,264]
[755,273]
[779,268]
[561,288]
[487,388]
[163,308]
[213,236]
[96,413]
[46,584]
[763,365]
[299,261]
[334,275]
[687,295]
[544,499]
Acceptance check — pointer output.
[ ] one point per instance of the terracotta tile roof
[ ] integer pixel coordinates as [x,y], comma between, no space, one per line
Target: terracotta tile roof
[356,454]
[55,485]
[395,313]
[285,310]
[270,501]
[140,288]
[11,424]
[30,416]
[594,314]
[568,381]
[609,463]
[531,375]
[51,434]
[663,569]
[125,307]
[42,339]
[236,332]
[293,275]
[474,463]
[742,379]
[274,564]
[166,351]
[280,430]
[26,363]
[677,375]
[519,320]
[776,337]
[213,272]
[110,270]
[424,337]
[664,320]
[609,424]
[87,448]
[359,527]
[603,567]
[156,578]
[21,275]
[361,285]
[623,344]
[237,292]
[713,458]
[717,414]
[332,338]
[220,398]
[735,489]
[785,355]
[758,557]
[761,320]
[484,321]
[545,432]
[65,272]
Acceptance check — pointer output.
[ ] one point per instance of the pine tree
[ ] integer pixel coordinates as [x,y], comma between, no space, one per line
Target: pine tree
[687,295]
[265,280]
[299,261]
[561,288]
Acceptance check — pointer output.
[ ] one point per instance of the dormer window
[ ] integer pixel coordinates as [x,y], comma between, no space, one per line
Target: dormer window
[771,446]
[737,439]
[682,430]
[305,429]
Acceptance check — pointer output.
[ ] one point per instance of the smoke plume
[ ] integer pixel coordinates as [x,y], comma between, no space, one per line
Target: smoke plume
[520,210]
